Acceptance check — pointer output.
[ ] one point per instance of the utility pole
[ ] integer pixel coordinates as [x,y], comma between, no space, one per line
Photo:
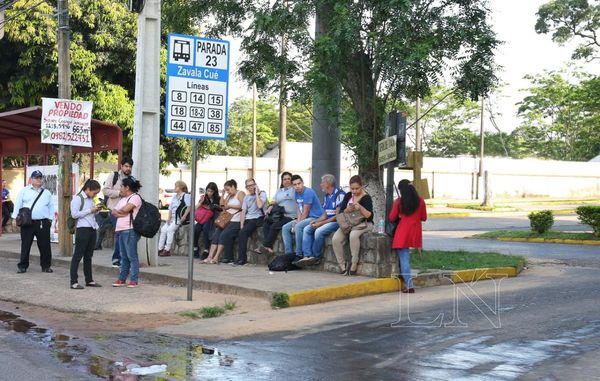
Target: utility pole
[282,107]
[481,147]
[65,154]
[417,166]
[146,128]
[254,131]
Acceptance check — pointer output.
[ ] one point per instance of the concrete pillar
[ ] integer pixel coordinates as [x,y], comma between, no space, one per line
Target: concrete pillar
[326,147]
[146,128]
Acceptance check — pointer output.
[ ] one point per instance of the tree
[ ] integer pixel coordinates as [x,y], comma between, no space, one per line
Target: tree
[561,118]
[569,19]
[103,50]
[375,51]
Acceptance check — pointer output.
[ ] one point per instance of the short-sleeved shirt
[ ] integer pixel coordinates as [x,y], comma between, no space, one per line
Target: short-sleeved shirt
[366,202]
[332,201]
[125,223]
[251,208]
[176,201]
[285,197]
[309,197]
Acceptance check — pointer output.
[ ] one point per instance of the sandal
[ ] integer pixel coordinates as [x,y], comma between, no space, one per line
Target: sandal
[77,286]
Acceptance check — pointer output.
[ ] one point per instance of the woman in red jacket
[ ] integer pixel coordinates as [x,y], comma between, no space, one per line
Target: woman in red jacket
[410,209]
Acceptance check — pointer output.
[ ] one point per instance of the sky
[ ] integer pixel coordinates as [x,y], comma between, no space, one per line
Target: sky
[523,52]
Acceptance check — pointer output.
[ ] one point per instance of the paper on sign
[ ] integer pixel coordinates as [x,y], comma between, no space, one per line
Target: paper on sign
[66,122]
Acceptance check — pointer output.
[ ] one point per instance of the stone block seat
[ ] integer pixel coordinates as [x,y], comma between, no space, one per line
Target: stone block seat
[376,258]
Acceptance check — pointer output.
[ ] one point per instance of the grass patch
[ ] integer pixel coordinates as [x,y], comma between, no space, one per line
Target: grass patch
[530,234]
[280,300]
[497,208]
[210,312]
[462,260]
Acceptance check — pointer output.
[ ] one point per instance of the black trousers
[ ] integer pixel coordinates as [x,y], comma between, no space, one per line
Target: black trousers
[40,229]
[85,241]
[249,227]
[7,209]
[227,237]
[104,225]
[271,230]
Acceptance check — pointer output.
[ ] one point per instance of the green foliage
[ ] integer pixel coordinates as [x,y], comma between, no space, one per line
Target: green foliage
[541,221]
[569,19]
[230,305]
[551,236]
[561,116]
[280,300]
[211,312]
[590,215]
[462,260]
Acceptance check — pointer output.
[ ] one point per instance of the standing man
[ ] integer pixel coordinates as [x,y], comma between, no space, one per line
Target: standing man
[7,204]
[39,200]
[308,209]
[111,191]
[315,234]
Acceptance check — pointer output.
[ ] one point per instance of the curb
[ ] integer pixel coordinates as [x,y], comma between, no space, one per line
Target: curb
[552,240]
[386,285]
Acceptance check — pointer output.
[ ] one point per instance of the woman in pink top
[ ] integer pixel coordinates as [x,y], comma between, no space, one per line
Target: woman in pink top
[125,211]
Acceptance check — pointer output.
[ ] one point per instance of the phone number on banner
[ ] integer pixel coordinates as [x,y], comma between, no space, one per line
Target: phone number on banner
[69,137]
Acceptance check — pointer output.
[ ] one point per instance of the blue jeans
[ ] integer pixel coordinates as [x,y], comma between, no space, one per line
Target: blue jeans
[128,240]
[116,257]
[313,240]
[404,262]
[286,233]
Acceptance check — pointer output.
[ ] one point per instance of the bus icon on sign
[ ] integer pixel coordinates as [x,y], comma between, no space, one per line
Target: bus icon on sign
[181,50]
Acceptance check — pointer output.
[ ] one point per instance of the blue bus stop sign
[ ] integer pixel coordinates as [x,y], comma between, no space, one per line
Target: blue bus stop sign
[197,84]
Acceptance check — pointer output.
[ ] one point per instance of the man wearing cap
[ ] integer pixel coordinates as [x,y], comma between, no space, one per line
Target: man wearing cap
[41,215]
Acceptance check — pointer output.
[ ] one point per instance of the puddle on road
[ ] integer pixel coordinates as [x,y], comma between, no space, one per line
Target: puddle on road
[116,357]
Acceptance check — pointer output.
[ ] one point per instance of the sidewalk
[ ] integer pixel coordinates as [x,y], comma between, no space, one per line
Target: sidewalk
[254,281]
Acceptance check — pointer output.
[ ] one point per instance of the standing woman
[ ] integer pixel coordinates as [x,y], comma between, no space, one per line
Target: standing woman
[411,210]
[179,208]
[84,210]
[355,200]
[222,240]
[209,201]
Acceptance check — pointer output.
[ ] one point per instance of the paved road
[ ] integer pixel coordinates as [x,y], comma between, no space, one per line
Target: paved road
[504,221]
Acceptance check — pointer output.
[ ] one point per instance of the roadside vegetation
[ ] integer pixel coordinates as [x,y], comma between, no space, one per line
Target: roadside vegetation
[528,234]
[210,312]
[462,260]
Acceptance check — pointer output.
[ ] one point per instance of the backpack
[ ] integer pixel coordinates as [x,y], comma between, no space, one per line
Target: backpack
[283,263]
[147,221]
[72,222]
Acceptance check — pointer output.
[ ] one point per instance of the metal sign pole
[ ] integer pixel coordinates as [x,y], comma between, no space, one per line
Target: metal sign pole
[191,217]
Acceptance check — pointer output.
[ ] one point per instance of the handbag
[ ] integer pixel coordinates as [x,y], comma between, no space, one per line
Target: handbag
[277,214]
[203,214]
[24,216]
[224,219]
[349,220]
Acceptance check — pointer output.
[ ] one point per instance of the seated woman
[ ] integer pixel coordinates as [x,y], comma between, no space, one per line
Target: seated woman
[222,240]
[251,218]
[356,199]
[274,221]
[179,208]
[210,203]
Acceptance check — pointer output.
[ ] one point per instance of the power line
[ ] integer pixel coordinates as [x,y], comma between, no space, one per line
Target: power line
[6,20]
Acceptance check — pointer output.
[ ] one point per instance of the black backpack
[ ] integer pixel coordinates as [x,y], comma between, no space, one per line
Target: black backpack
[147,221]
[283,263]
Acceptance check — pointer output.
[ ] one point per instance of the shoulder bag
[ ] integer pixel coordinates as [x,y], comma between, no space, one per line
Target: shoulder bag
[224,219]
[24,216]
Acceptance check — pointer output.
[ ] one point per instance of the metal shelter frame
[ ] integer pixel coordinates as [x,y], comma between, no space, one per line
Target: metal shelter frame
[20,136]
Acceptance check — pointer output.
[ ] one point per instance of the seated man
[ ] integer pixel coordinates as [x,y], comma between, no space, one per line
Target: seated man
[308,209]
[317,231]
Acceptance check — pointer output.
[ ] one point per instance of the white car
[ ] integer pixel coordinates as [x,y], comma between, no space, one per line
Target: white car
[164,197]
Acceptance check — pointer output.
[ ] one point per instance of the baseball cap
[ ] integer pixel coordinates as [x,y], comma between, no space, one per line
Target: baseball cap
[37,174]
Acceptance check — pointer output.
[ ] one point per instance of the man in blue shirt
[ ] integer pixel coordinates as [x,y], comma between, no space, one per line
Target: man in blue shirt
[7,204]
[42,214]
[308,208]
[317,231]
